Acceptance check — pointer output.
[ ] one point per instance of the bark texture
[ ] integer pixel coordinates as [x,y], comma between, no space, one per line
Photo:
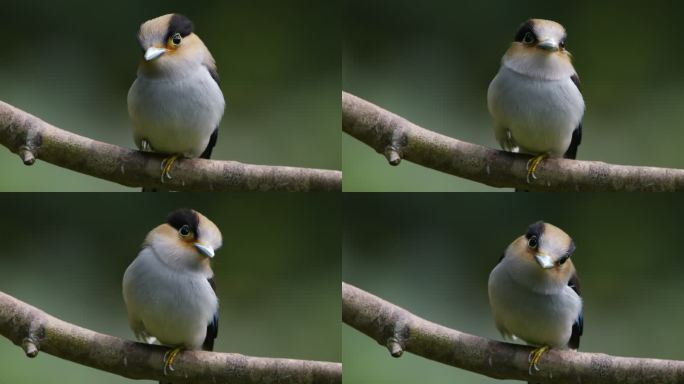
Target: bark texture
[399,331]
[31,139]
[398,138]
[34,330]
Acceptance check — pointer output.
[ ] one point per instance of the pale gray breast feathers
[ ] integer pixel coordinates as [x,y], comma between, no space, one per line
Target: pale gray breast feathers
[539,319]
[173,307]
[540,114]
[176,117]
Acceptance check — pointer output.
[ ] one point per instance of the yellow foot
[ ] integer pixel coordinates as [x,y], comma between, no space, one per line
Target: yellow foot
[169,356]
[534,358]
[533,164]
[166,165]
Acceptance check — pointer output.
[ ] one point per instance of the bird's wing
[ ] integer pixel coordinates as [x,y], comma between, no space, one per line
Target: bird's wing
[578,325]
[211,67]
[210,146]
[212,327]
[571,153]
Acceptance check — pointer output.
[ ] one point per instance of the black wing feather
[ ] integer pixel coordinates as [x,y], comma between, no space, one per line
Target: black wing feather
[212,328]
[578,326]
[571,153]
[575,79]
[214,73]
[214,136]
[210,146]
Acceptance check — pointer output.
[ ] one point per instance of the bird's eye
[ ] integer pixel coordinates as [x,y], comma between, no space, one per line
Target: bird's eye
[184,231]
[562,44]
[528,38]
[532,242]
[176,39]
[563,259]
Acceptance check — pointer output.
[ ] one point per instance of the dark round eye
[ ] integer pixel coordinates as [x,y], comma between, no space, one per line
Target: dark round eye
[184,231]
[563,259]
[176,39]
[528,38]
[532,242]
[562,44]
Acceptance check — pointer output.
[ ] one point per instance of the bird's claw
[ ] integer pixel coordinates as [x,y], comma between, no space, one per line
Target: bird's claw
[534,357]
[169,357]
[166,165]
[532,165]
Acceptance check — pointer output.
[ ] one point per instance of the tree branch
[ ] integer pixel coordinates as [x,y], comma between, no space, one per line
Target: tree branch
[398,139]
[35,330]
[400,331]
[31,139]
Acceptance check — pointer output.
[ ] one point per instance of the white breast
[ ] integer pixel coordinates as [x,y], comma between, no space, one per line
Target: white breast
[173,307]
[540,114]
[176,117]
[537,318]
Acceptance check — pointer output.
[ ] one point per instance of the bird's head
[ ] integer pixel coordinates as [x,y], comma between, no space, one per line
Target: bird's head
[542,36]
[169,44]
[542,255]
[539,47]
[188,240]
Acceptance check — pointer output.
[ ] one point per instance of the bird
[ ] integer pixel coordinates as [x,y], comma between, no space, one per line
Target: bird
[534,292]
[169,288]
[535,98]
[175,102]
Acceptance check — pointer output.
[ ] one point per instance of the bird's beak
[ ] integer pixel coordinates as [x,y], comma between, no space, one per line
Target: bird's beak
[205,250]
[153,53]
[548,45]
[544,260]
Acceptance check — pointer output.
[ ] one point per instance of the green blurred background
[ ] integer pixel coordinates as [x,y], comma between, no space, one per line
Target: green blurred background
[431,62]
[433,257]
[277,274]
[71,63]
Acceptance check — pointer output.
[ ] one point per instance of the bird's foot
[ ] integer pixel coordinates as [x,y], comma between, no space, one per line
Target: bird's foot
[166,165]
[169,357]
[534,358]
[533,164]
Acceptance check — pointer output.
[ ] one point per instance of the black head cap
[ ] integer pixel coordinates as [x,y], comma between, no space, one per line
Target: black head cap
[536,229]
[179,24]
[525,27]
[184,216]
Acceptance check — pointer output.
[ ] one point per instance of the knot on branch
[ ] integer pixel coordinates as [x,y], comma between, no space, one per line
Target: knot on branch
[31,343]
[29,346]
[394,149]
[29,150]
[396,342]
[395,347]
